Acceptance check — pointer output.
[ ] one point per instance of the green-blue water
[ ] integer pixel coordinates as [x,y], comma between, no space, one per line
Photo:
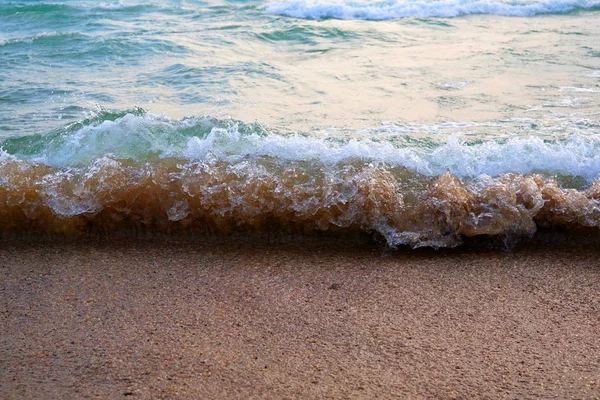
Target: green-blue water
[399,98]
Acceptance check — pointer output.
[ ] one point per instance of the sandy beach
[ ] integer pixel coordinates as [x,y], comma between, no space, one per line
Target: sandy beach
[314,319]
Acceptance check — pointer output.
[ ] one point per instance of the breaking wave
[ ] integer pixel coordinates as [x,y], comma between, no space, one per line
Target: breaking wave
[139,172]
[394,9]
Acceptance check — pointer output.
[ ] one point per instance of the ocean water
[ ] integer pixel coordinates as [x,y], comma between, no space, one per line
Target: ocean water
[421,122]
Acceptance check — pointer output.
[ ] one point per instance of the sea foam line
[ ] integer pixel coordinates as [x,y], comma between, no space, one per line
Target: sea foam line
[149,136]
[394,9]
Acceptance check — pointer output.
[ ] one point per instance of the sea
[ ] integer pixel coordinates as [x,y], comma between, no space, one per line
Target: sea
[420,123]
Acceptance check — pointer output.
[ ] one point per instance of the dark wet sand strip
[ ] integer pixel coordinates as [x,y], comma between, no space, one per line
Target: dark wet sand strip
[150,319]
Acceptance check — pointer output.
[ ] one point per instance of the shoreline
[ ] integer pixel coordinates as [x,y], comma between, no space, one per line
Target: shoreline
[315,318]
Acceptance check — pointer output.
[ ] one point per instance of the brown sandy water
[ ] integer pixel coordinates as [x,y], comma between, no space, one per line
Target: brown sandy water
[304,319]
[263,195]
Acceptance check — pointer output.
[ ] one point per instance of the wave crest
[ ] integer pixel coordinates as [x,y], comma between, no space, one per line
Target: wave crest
[143,137]
[394,9]
[261,194]
[138,172]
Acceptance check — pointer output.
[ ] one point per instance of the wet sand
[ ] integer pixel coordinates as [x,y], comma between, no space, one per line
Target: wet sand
[151,319]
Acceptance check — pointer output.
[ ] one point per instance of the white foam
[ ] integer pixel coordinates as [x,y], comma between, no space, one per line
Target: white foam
[455,85]
[577,155]
[5,156]
[119,6]
[229,145]
[578,89]
[143,137]
[386,10]
[566,102]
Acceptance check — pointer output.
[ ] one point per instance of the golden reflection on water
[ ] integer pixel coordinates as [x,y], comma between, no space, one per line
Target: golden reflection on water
[458,70]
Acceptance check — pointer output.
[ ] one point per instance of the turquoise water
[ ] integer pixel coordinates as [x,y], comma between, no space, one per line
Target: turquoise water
[266,105]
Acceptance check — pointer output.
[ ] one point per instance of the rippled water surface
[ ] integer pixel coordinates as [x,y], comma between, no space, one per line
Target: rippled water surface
[61,61]
[496,102]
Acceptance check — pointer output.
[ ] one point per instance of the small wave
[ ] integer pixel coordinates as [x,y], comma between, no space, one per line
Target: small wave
[387,10]
[141,172]
[142,136]
[217,197]
[35,8]
[574,89]
[120,6]
[40,36]
[567,102]
[66,10]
